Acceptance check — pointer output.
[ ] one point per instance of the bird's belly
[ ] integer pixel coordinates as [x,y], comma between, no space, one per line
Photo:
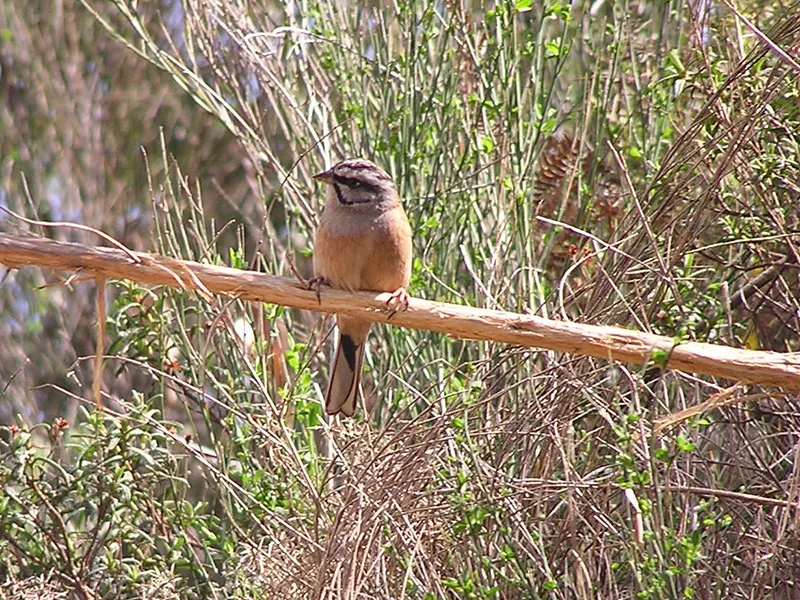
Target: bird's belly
[374,262]
[338,259]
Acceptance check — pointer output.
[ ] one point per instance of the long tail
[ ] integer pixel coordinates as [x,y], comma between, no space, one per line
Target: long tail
[345,377]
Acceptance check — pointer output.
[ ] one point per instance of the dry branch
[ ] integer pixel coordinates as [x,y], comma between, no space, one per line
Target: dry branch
[615,343]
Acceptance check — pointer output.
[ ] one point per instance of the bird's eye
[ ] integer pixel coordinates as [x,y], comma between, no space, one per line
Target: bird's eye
[351,182]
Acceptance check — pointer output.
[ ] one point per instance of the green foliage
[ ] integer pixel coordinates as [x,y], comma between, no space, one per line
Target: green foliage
[105,504]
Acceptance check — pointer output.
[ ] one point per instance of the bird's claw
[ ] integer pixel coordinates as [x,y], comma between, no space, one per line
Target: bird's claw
[397,302]
[315,284]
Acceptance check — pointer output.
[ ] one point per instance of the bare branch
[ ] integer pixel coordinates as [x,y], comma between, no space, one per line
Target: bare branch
[614,343]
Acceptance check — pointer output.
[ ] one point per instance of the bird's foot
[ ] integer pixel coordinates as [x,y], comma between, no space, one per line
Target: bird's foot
[397,302]
[315,284]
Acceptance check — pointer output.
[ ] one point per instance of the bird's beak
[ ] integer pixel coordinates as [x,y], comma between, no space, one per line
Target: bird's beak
[325,176]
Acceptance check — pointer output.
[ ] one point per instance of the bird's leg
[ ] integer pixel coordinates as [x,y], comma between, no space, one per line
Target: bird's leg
[397,302]
[315,284]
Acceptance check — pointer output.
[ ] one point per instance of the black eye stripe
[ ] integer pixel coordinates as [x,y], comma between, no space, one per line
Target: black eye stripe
[339,195]
[353,182]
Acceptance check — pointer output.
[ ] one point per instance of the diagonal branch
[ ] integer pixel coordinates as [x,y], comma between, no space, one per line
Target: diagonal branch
[614,343]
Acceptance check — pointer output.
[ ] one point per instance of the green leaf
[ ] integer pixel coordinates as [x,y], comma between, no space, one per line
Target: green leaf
[684,445]
[553,49]
[523,5]
[660,357]
[550,584]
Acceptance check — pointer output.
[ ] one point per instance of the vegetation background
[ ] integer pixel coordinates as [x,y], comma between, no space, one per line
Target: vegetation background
[628,162]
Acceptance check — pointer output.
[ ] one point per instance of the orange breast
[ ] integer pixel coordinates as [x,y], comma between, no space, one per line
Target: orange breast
[377,257]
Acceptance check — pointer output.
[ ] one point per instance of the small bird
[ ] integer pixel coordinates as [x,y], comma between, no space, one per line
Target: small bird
[363,242]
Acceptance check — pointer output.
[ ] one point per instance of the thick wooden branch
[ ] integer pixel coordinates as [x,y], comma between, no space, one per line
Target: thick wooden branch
[615,343]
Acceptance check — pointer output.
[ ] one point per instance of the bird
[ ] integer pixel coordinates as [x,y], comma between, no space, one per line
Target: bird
[363,243]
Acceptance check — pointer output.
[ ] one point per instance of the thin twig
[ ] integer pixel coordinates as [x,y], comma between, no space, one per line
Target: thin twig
[78,226]
[97,382]
[764,38]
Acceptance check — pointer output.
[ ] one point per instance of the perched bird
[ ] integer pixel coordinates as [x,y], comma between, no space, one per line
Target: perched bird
[363,242]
